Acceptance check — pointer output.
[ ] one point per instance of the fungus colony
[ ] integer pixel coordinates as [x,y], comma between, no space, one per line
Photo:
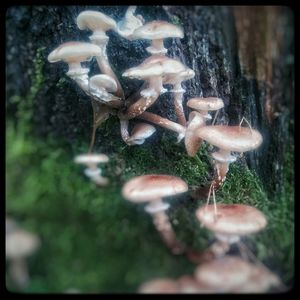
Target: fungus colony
[218,272]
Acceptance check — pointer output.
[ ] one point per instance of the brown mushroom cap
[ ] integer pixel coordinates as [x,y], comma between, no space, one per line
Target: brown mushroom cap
[95,21]
[104,81]
[162,285]
[158,30]
[206,104]
[235,219]
[20,243]
[155,65]
[140,132]
[91,158]
[74,52]
[231,138]
[152,187]
[225,273]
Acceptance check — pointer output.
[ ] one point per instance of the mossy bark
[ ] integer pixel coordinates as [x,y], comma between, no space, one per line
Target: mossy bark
[242,54]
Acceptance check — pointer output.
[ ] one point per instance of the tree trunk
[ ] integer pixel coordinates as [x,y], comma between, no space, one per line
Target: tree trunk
[243,55]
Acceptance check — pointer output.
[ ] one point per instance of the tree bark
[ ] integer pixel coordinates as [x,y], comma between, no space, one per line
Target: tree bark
[243,55]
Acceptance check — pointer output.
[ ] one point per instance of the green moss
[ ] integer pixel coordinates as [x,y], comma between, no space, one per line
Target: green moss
[95,241]
[176,21]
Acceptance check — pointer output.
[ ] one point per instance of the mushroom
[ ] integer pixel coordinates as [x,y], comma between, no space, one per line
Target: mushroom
[189,285]
[130,23]
[159,286]
[176,80]
[227,139]
[92,171]
[230,223]
[152,188]
[139,133]
[20,244]
[234,275]
[99,23]
[73,53]
[197,119]
[157,31]
[163,122]
[153,70]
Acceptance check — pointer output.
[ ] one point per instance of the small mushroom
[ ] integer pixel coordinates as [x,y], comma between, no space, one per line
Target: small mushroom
[176,80]
[152,188]
[157,31]
[92,171]
[231,274]
[139,133]
[99,23]
[20,244]
[73,53]
[153,70]
[159,286]
[130,23]
[163,122]
[227,139]
[189,285]
[231,222]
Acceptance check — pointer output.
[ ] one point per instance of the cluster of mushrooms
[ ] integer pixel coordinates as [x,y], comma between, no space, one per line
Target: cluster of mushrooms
[217,272]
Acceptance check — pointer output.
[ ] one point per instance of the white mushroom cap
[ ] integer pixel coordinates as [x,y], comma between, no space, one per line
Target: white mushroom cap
[155,65]
[157,30]
[235,219]
[205,104]
[231,138]
[103,81]
[20,244]
[140,132]
[91,158]
[189,285]
[225,273]
[179,77]
[152,187]
[96,21]
[74,52]
[162,285]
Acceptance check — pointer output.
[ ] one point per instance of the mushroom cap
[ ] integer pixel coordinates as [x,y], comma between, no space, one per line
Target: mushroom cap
[140,132]
[189,285]
[179,77]
[91,158]
[235,219]
[206,104]
[155,65]
[104,81]
[161,285]
[95,21]
[157,30]
[74,52]
[153,187]
[20,243]
[231,138]
[225,273]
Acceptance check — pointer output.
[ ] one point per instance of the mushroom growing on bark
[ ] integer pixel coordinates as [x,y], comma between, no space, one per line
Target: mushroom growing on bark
[139,133]
[227,139]
[20,244]
[152,188]
[92,171]
[198,119]
[157,31]
[159,286]
[99,23]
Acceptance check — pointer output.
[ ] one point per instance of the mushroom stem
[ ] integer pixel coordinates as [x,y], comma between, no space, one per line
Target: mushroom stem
[178,98]
[18,271]
[105,67]
[100,114]
[80,76]
[140,106]
[222,162]
[163,122]
[124,130]
[157,47]
[164,227]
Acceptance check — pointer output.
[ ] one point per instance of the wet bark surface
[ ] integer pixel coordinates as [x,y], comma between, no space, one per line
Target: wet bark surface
[243,55]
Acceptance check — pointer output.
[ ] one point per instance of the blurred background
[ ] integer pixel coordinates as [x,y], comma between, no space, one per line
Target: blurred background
[75,237]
